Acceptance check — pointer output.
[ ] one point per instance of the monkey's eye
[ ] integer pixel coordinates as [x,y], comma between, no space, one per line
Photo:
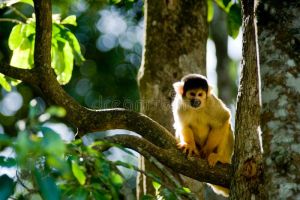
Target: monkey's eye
[200,94]
[192,94]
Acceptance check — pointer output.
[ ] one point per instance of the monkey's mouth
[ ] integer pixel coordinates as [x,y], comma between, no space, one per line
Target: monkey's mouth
[195,103]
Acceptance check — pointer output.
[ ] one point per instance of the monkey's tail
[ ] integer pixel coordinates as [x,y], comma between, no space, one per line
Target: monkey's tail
[220,190]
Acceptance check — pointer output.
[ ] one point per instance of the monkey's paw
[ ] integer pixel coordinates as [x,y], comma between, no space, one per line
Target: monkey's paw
[212,159]
[188,148]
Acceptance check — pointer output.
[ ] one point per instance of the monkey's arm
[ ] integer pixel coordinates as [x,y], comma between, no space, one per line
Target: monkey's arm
[187,141]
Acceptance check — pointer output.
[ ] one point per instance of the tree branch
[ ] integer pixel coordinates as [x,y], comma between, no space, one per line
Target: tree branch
[173,158]
[25,75]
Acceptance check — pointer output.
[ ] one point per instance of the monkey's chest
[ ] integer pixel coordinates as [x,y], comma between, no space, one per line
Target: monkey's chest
[200,129]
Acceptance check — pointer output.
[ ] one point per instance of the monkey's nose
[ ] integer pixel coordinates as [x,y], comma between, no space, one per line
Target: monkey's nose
[195,103]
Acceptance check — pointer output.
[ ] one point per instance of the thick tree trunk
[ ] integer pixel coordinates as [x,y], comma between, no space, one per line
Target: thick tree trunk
[175,45]
[247,160]
[279,48]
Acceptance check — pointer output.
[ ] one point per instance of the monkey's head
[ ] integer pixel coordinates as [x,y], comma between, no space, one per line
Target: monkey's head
[193,89]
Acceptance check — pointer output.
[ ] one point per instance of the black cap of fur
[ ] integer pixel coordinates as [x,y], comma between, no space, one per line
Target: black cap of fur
[194,81]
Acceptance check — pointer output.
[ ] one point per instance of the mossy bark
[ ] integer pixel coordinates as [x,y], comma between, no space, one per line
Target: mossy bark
[279,49]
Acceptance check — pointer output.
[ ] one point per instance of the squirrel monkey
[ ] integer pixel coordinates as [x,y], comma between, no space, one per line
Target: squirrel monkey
[202,123]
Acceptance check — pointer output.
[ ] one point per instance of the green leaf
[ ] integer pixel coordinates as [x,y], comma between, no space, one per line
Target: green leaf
[62,61]
[52,143]
[234,20]
[30,2]
[7,162]
[78,173]
[187,190]
[114,1]
[4,83]
[21,55]
[70,20]
[75,47]
[7,187]
[56,111]
[116,179]
[11,2]
[47,186]
[15,37]
[28,30]
[156,185]
[210,10]
[226,2]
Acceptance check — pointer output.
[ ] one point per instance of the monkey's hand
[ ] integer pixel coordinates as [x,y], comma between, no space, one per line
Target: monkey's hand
[189,149]
[212,159]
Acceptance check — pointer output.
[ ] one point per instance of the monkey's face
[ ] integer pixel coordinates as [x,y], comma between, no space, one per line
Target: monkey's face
[193,90]
[195,98]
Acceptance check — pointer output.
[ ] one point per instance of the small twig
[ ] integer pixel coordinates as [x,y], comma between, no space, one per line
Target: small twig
[18,12]
[11,20]
[23,185]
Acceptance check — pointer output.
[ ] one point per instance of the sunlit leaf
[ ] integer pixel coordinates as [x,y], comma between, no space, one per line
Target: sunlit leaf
[56,111]
[210,10]
[75,46]
[70,20]
[14,82]
[186,189]
[11,2]
[114,1]
[62,61]
[234,20]
[116,179]
[47,186]
[78,173]
[156,185]
[4,83]
[28,30]
[15,37]
[21,55]
[7,187]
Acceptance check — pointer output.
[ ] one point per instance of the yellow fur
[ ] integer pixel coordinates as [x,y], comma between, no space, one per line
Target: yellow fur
[203,130]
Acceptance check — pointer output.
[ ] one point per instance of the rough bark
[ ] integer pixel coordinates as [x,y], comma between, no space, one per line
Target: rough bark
[157,140]
[175,45]
[247,161]
[279,48]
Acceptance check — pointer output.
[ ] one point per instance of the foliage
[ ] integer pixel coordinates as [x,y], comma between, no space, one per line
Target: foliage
[233,10]
[48,167]
[65,47]
[53,169]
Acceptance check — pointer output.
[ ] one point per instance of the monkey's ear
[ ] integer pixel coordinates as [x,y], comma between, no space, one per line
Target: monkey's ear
[210,90]
[178,87]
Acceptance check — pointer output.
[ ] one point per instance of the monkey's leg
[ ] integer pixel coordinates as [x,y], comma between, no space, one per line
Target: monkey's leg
[221,141]
[212,141]
[187,141]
